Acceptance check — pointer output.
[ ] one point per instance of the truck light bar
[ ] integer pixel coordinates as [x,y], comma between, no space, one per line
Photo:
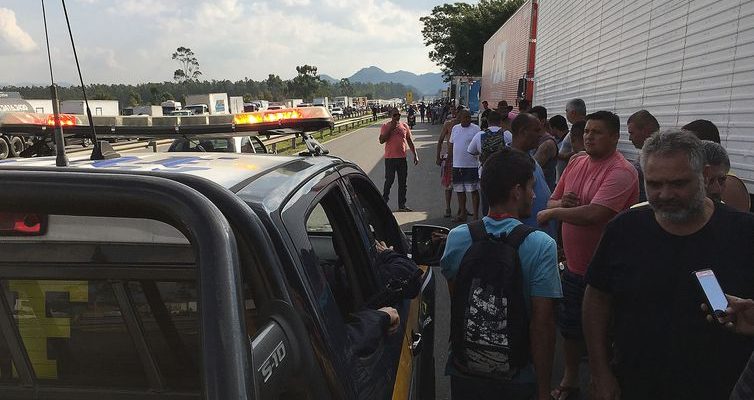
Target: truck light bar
[305,119]
[65,120]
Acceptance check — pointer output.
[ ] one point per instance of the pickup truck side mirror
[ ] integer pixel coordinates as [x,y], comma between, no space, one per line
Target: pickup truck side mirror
[428,244]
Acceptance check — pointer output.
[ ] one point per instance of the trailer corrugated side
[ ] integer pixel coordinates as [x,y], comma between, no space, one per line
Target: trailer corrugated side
[681,60]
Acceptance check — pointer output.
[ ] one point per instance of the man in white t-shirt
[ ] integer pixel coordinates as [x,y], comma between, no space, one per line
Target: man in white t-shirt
[488,141]
[465,165]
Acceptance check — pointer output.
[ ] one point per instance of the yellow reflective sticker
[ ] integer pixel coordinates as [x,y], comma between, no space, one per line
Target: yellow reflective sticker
[33,324]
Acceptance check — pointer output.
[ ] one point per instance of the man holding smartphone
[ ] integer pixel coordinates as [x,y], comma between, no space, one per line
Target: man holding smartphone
[641,278]
[396,135]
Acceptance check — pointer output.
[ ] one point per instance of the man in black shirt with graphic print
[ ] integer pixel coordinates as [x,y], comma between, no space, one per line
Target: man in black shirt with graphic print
[641,278]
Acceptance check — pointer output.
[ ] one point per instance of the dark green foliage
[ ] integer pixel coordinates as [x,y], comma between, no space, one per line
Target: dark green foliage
[457,32]
[273,88]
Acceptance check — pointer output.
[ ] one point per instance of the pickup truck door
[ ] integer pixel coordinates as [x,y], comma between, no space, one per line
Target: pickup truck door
[415,376]
[329,239]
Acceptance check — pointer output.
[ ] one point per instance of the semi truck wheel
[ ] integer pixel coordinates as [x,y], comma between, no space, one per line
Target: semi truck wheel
[4,148]
[16,146]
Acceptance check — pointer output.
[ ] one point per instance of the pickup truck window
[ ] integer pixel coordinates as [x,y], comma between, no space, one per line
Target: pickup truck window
[6,364]
[97,327]
[342,261]
[76,335]
[376,214]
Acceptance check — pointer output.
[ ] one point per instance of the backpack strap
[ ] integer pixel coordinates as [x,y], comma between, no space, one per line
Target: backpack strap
[478,231]
[518,235]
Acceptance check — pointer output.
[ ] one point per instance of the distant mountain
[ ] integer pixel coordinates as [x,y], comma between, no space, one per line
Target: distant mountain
[329,79]
[427,84]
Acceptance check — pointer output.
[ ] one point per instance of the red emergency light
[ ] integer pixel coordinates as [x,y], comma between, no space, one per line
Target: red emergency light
[65,120]
[21,224]
[272,116]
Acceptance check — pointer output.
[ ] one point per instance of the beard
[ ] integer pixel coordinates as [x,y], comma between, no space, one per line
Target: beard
[676,211]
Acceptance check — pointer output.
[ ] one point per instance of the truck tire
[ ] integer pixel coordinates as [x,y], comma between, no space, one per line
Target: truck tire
[4,148]
[16,146]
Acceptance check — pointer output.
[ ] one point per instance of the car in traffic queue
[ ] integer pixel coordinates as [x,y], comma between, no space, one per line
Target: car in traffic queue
[201,276]
[233,144]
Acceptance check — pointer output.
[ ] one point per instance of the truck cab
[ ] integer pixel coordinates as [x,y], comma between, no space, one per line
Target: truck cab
[200,276]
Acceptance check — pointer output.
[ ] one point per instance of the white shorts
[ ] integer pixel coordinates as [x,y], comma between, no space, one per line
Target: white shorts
[465,187]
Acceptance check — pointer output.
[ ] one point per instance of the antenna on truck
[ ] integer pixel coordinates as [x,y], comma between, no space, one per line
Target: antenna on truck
[61,159]
[97,153]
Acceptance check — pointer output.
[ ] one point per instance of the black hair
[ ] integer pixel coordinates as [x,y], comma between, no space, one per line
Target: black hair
[611,120]
[704,130]
[644,118]
[577,130]
[559,122]
[502,171]
[539,111]
[494,118]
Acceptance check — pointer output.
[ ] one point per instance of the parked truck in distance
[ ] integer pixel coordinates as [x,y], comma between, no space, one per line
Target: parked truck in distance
[236,104]
[154,111]
[321,102]
[106,108]
[214,103]
[290,103]
[169,106]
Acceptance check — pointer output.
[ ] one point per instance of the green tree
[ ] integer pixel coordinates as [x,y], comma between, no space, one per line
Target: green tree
[276,87]
[189,65]
[456,33]
[134,99]
[307,82]
[346,89]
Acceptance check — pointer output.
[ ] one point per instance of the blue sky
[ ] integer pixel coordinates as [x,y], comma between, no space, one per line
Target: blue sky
[130,41]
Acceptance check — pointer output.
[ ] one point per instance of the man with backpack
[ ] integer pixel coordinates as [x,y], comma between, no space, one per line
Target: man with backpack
[488,141]
[504,284]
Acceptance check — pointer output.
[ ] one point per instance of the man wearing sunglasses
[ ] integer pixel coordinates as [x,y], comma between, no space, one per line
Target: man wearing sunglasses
[396,136]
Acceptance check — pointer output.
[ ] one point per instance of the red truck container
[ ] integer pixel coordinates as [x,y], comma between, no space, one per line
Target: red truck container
[509,57]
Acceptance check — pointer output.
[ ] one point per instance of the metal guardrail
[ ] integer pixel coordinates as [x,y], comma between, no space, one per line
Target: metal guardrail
[271,142]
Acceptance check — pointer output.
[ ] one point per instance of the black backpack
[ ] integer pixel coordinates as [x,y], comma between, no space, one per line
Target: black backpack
[489,325]
[491,142]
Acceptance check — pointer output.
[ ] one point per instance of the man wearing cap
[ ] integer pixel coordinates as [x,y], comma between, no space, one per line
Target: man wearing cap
[395,135]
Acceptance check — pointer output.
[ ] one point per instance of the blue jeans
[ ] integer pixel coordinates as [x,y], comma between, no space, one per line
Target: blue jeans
[462,388]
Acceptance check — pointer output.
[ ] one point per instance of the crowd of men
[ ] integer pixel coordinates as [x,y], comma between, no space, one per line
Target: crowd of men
[631,233]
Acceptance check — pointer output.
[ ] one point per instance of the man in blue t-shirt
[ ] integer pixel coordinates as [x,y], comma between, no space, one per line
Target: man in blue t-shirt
[527,130]
[508,181]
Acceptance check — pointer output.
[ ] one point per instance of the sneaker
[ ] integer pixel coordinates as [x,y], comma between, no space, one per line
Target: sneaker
[404,209]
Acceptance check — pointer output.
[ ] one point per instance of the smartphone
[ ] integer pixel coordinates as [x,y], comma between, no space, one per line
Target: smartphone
[716,300]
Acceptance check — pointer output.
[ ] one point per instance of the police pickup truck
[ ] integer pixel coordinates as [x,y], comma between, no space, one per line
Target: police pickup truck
[201,275]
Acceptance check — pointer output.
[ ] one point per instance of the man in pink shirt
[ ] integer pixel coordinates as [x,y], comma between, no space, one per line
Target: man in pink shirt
[395,135]
[595,186]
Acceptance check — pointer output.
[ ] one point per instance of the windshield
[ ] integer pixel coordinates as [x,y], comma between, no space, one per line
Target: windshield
[220,145]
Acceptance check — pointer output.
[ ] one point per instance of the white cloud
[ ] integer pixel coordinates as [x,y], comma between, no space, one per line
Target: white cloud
[233,39]
[12,37]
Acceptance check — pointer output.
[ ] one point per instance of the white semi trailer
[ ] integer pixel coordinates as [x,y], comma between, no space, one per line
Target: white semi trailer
[680,60]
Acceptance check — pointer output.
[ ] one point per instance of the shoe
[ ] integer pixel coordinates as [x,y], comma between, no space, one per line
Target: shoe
[404,209]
